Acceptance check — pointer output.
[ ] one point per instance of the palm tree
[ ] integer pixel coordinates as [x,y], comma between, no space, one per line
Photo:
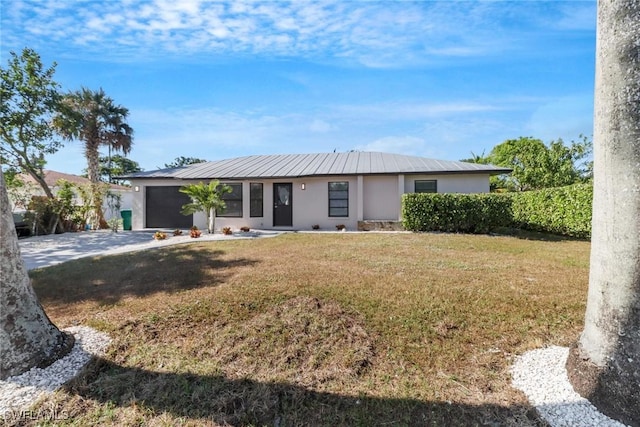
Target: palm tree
[94,118]
[604,366]
[205,198]
[27,336]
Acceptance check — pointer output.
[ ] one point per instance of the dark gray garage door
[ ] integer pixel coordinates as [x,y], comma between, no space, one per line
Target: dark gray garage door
[163,208]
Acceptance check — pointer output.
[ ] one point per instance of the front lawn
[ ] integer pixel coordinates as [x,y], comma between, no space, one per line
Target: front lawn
[317,329]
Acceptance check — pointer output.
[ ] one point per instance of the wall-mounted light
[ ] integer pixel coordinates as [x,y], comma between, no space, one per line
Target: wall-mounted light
[303,186]
[136,188]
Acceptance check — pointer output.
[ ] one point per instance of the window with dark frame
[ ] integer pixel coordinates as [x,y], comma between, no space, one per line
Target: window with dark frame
[256,200]
[339,199]
[233,202]
[426,186]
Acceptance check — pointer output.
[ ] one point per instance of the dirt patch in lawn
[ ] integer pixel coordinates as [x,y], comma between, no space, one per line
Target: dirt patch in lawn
[303,340]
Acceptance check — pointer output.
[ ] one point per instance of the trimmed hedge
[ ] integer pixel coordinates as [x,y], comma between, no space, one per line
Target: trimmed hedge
[465,213]
[563,210]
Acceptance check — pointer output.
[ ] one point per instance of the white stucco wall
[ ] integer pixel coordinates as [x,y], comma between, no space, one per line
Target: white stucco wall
[375,197]
[476,183]
[381,198]
[310,206]
[126,202]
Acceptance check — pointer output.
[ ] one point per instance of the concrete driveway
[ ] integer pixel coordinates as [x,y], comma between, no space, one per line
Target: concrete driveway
[43,251]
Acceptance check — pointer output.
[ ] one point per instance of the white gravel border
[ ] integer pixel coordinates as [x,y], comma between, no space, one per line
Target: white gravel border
[542,376]
[21,391]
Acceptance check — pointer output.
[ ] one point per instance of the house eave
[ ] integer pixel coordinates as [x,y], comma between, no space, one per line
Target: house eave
[490,172]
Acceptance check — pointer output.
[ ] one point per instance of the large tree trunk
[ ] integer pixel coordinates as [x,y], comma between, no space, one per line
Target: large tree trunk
[92,154]
[604,366]
[27,336]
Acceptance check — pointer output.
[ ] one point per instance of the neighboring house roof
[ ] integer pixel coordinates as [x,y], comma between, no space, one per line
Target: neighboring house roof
[324,164]
[52,178]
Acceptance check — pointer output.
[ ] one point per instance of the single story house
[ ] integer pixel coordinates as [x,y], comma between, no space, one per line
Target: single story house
[298,191]
[19,198]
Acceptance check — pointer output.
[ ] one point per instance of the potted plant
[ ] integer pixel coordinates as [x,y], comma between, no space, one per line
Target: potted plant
[194,232]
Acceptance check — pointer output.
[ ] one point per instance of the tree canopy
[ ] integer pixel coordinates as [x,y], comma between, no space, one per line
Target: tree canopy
[183,161]
[205,198]
[28,100]
[95,119]
[537,165]
[116,165]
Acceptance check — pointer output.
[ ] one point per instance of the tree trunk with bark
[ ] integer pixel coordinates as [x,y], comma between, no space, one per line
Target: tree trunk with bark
[96,216]
[27,336]
[604,366]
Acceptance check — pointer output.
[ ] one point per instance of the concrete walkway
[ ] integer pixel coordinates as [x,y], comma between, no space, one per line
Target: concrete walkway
[43,251]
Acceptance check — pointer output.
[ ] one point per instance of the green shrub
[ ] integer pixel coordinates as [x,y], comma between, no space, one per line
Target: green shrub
[465,213]
[562,210]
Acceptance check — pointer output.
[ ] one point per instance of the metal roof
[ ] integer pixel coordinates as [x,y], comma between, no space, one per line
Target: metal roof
[322,164]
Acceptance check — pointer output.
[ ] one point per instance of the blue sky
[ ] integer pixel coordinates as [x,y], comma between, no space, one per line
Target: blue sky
[215,80]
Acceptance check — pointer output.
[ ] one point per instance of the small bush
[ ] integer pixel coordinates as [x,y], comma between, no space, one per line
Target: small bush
[194,232]
[227,231]
[177,232]
[245,229]
[159,235]
[466,213]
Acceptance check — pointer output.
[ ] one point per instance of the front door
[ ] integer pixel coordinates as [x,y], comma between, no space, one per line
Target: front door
[282,207]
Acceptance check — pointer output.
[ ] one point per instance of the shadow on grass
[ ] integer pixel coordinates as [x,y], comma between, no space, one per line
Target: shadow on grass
[110,278]
[536,235]
[224,401]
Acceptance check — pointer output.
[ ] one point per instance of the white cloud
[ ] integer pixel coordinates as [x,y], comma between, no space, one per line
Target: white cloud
[565,117]
[576,16]
[388,34]
[395,144]
[210,133]
[214,134]
[320,126]
[413,111]
[344,127]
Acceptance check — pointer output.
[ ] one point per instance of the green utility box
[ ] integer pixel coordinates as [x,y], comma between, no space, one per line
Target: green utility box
[126,219]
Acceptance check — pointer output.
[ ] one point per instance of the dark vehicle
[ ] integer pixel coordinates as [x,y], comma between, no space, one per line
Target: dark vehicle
[22,227]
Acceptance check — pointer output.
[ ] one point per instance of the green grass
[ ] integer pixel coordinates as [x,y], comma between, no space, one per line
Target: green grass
[317,329]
